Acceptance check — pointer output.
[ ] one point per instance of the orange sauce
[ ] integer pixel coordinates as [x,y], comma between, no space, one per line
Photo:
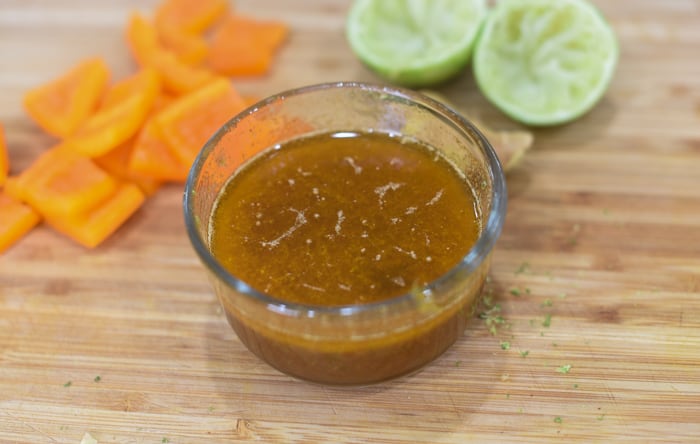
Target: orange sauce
[344,218]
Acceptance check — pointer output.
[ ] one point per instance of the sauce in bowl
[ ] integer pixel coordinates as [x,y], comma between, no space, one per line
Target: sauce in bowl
[347,228]
[344,218]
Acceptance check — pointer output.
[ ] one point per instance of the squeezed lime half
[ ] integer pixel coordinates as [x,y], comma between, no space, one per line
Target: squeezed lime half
[415,42]
[545,62]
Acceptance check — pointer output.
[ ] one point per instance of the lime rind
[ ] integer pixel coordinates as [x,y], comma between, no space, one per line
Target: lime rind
[545,62]
[415,42]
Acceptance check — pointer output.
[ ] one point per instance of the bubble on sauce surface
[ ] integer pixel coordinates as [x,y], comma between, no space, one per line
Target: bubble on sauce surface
[339,223]
[350,161]
[299,221]
[410,253]
[435,198]
[313,287]
[399,280]
[304,173]
[382,190]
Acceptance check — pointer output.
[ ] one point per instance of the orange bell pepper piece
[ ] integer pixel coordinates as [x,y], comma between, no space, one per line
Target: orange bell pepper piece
[91,228]
[75,188]
[144,82]
[243,46]
[178,77]
[16,220]
[41,170]
[151,156]
[124,109]
[4,157]
[61,105]
[194,16]
[75,196]
[190,49]
[116,163]
[142,39]
[189,122]
[62,182]
[12,188]
[162,101]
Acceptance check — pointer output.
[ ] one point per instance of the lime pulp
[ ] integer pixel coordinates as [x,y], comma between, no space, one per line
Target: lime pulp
[545,62]
[415,42]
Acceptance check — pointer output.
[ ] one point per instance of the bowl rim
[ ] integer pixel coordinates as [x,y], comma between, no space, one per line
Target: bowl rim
[469,262]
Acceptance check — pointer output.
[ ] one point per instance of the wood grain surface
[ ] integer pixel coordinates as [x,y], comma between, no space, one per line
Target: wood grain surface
[128,343]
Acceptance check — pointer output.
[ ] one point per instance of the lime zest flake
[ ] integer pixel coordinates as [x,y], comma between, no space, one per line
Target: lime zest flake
[525,266]
[566,368]
[492,318]
[547,320]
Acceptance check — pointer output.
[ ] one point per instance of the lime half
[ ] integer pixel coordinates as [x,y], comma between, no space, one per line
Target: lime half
[545,62]
[414,42]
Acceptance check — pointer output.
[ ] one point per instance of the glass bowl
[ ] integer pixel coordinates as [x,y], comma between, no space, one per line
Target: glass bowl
[353,344]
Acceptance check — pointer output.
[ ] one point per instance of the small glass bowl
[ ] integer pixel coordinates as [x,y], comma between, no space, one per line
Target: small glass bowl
[364,343]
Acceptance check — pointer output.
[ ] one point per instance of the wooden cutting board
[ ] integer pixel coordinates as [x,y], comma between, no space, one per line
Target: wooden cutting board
[602,237]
